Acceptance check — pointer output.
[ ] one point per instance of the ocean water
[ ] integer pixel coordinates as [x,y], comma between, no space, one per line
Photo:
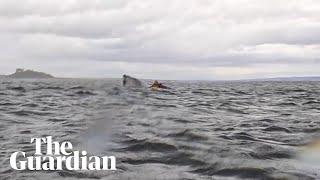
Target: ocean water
[196,130]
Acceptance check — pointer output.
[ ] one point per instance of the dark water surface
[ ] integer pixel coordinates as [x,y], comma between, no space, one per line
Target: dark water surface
[197,130]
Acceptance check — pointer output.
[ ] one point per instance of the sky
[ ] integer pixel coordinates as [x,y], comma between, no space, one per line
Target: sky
[162,39]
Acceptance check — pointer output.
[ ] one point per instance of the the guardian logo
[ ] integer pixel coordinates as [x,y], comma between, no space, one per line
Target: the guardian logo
[59,157]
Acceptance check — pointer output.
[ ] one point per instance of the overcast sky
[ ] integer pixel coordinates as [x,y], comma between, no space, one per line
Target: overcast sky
[162,39]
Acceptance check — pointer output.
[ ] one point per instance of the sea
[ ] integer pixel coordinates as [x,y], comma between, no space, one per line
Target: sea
[194,130]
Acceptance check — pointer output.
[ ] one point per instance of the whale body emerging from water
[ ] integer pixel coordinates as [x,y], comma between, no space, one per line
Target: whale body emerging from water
[128,81]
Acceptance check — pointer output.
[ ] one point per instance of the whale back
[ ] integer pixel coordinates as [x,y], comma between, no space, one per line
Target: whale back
[128,81]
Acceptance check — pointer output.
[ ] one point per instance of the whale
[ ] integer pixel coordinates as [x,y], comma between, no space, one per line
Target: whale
[131,82]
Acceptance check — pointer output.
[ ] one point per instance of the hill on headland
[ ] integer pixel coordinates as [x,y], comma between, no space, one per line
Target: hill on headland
[22,73]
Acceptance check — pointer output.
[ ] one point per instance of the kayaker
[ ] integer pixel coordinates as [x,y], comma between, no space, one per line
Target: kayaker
[156,84]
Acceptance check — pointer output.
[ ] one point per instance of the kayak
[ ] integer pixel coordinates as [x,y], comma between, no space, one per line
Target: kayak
[156,89]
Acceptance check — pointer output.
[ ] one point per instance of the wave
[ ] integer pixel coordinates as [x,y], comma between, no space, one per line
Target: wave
[80,175]
[311,103]
[178,158]
[151,146]
[239,172]
[28,113]
[85,93]
[277,128]
[271,152]
[77,87]
[188,135]
[18,88]
[48,88]
[287,104]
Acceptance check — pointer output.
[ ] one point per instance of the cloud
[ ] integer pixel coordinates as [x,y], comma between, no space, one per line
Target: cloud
[235,38]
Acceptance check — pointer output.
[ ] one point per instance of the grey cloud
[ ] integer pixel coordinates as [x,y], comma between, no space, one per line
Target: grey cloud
[17,8]
[203,34]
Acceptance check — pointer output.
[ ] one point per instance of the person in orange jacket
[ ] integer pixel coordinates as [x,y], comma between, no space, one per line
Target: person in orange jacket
[156,84]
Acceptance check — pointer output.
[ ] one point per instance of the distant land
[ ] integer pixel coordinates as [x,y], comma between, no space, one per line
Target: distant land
[306,78]
[29,74]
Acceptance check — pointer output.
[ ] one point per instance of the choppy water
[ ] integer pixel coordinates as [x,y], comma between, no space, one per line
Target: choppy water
[197,130]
